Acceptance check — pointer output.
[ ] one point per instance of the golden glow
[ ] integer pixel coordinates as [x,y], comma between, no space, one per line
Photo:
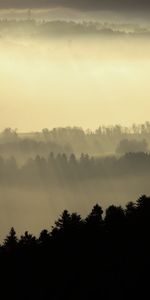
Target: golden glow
[83,82]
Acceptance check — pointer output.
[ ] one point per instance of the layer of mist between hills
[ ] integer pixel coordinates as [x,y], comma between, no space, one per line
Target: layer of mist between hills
[42,173]
[104,141]
[40,176]
[46,28]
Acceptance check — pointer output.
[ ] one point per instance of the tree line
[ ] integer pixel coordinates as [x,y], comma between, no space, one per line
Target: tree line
[101,256]
[104,140]
[68,169]
[41,27]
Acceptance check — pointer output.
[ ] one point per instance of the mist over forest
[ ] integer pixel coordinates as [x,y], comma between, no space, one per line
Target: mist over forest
[74,149]
[32,28]
[70,74]
[42,173]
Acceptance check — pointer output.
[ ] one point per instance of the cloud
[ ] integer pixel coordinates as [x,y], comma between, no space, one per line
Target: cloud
[112,5]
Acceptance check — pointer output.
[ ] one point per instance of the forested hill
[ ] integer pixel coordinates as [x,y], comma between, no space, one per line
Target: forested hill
[70,170]
[103,256]
[29,27]
[104,140]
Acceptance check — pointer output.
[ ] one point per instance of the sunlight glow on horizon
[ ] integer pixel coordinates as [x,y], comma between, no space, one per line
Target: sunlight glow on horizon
[55,84]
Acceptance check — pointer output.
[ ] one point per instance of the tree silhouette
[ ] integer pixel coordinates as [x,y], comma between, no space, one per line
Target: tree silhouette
[44,237]
[11,239]
[130,209]
[82,257]
[95,217]
[27,239]
[64,221]
[115,218]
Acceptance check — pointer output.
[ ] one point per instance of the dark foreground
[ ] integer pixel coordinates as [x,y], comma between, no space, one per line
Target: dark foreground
[95,258]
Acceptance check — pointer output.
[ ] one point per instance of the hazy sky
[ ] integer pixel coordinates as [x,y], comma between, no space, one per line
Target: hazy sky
[75,81]
[138,9]
[84,82]
[79,4]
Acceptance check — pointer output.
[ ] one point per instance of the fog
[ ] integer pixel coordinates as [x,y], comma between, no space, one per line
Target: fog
[33,195]
[59,74]
[35,209]
[72,79]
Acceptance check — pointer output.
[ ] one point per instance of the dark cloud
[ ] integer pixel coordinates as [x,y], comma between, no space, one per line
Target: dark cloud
[128,5]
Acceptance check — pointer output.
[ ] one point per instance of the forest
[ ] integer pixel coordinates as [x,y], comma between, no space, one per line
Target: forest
[62,155]
[74,149]
[102,141]
[46,172]
[102,256]
[42,173]
[29,26]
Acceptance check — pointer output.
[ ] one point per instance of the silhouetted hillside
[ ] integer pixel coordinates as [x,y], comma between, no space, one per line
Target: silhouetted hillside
[103,256]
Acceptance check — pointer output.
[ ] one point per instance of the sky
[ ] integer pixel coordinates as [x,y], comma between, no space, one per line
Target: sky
[75,81]
[124,8]
[78,4]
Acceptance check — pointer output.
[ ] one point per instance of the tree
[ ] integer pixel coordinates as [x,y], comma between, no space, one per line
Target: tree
[67,224]
[9,135]
[62,224]
[143,211]
[143,203]
[95,217]
[44,237]
[126,146]
[130,209]
[11,239]
[27,239]
[64,221]
[115,218]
